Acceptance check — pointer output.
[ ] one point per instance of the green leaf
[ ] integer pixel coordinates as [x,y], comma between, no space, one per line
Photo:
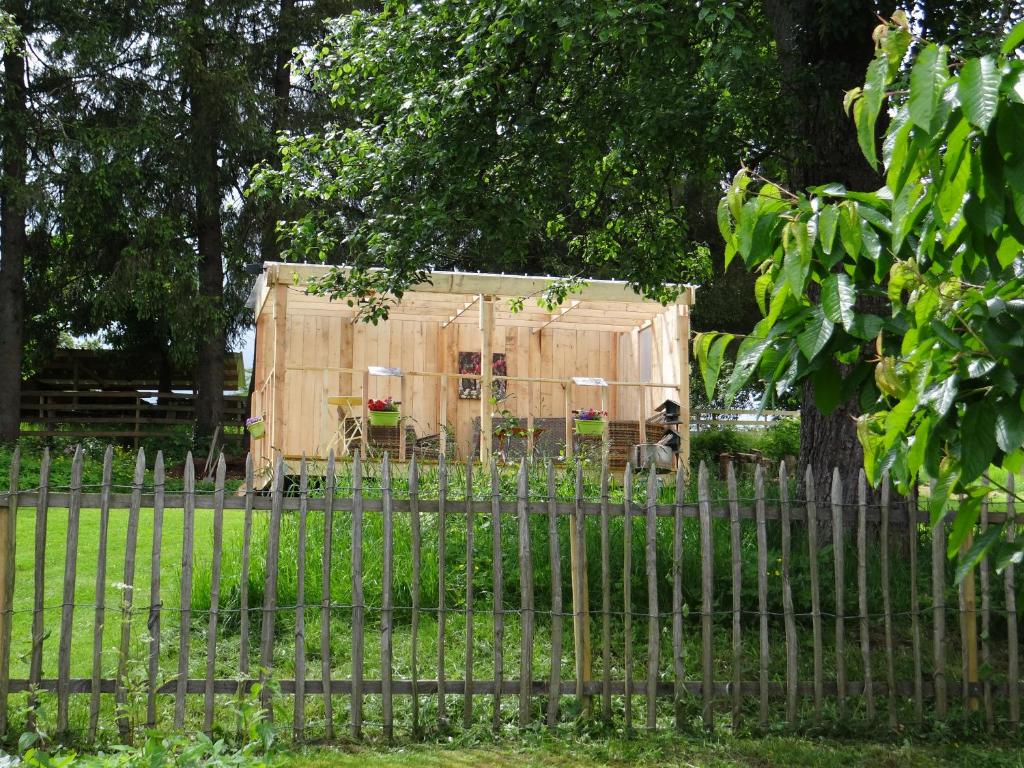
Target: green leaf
[747,357]
[964,520]
[797,259]
[827,385]
[849,227]
[724,219]
[979,90]
[712,365]
[866,109]
[828,220]
[1009,426]
[977,439]
[816,334]
[927,79]
[1014,39]
[940,490]
[761,286]
[837,299]
[865,326]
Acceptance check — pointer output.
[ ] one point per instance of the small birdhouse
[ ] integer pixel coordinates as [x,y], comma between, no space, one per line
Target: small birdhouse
[669,411]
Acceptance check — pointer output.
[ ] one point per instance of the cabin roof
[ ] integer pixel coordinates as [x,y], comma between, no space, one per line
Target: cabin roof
[451,297]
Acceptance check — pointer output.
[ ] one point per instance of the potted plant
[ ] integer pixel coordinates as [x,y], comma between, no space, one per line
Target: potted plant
[590,421]
[256,426]
[384,413]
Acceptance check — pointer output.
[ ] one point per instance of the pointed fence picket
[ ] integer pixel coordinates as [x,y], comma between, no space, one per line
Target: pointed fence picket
[552,533]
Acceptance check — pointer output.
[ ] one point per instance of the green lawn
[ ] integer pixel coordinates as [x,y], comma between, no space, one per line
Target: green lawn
[566,750]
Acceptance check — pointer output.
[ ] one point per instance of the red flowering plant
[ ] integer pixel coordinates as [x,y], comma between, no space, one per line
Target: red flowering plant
[590,414]
[388,406]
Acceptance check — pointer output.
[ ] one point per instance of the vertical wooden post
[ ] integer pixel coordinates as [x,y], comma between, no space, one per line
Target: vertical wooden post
[269,614]
[862,593]
[939,614]
[299,709]
[442,524]
[155,604]
[812,553]
[467,699]
[1010,594]
[653,634]
[677,597]
[414,525]
[683,345]
[605,437]
[188,532]
[735,553]
[915,607]
[555,560]
[358,609]
[68,604]
[406,404]
[789,616]
[606,599]
[128,593]
[486,376]
[986,620]
[762,591]
[243,613]
[580,598]
[969,631]
[525,597]
[100,609]
[627,594]
[890,670]
[215,568]
[275,439]
[442,413]
[567,410]
[387,602]
[325,594]
[8,528]
[497,588]
[707,558]
[364,429]
[839,561]
[38,584]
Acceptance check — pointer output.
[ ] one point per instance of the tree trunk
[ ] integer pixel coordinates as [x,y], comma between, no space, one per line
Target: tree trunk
[204,118]
[824,50]
[282,85]
[13,239]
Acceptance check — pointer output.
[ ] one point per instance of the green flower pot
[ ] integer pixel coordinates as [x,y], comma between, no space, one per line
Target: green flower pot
[384,418]
[589,426]
[257,429]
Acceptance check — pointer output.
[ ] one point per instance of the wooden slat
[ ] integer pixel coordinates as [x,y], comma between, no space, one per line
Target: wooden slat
[555,560]
[100,608]
[269,613]
[915,607]
[762,595]
[128,594]
[467,693]
[442,496]
[67,613]
[839,561]
[526,611]
[155,604]
[325,593]
[215,571]
[789,617]
[986,620]
[606,599]
[299,709]
[417,549]
[707,555]
[243,614]
[187,555]
[677,596]
[653,632]
[581,617]
[8,535]
[890,667]
[497,587]
[1010,597]
[812,552]
[387,614]
[627,593]
[862,594]
[735,546]
[939,617]
[358,607]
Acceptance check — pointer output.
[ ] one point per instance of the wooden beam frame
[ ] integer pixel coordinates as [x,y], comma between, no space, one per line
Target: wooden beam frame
[465,308]
[486,376]
[559,315]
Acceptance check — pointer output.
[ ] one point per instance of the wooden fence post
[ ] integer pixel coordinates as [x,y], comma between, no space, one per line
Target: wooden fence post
[762,591]
[677,596]
[215,570]
[299,710]
[442,495]
[606,599]
[414,526]
[737,597]
[325,593]
[653,635]
[789,616]
[555,560]
[497,586]
[839,561]
[812,552]
[155,604]
[8,529]
[68,603]
[1010,594]
[890,671]
[387,602]
[101,596]
[862,593]
[939,614]
[187,554]
[358,609]
[627,593]
[707,556]
[526,610]
[128,593]
[467,697]
[269,613]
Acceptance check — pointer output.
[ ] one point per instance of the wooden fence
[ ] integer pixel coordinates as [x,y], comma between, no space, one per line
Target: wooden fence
[667,687]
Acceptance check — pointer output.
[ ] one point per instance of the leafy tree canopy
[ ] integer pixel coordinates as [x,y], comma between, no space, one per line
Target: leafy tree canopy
[522,136]
[910,296]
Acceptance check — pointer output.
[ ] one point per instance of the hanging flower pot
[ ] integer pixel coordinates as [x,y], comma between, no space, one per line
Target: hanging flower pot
[590,422]
[384,413]
[256,426]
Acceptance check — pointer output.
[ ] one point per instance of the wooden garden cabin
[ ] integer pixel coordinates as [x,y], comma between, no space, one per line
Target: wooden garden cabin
[606,347]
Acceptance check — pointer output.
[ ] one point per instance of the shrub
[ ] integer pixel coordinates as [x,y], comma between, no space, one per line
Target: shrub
[707,445]
[781,439]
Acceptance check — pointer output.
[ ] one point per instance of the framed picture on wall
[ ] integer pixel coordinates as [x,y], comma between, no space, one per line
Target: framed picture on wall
[469,362]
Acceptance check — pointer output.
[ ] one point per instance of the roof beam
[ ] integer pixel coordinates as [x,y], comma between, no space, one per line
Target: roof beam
[559,315]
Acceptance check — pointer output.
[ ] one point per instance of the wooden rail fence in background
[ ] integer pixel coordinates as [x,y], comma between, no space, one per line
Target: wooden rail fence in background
[747,692]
